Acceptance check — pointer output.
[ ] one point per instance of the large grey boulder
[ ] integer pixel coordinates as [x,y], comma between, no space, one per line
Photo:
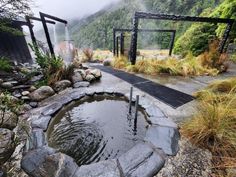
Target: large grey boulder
[41,122]
[7,145]
[107,168]
[45,162]
[61,85]
[164,137]
[42,93]
[9,120]
[77,77]
[141,161]
[37,139]
[7,85]
[96,73]
[90,77]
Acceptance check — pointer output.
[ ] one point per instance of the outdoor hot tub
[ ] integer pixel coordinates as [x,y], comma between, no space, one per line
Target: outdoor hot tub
[97,128]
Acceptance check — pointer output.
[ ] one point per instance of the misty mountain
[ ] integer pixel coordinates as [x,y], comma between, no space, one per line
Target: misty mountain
[96,30]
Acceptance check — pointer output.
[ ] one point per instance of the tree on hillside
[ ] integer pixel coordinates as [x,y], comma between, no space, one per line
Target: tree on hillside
[12,9]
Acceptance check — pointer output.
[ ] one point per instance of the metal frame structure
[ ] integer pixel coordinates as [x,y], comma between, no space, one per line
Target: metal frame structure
[30,25]
[43,17]
[145,15]
[116,30]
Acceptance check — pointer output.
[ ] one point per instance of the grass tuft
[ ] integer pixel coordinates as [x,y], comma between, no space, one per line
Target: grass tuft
[214,125]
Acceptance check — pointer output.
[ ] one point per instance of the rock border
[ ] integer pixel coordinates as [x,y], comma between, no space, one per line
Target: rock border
[143,160]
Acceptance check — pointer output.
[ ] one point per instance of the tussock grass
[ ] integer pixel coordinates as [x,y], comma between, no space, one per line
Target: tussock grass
[88,53]
[214,125]
[120,62]
[211,62]
[190,66]
[222,87]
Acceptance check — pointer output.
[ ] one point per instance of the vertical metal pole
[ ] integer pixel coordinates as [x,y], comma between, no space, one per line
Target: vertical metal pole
[114,42]
[136,107]
[130,99]
[31,31]
[134,39]
[122,44]
[172,43]
[225,37]
[47,34]
[117,46]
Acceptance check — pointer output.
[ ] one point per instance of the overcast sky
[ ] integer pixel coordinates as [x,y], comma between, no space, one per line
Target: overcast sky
[68,9]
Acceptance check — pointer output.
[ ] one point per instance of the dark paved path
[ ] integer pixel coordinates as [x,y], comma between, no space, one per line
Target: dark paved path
[169,96]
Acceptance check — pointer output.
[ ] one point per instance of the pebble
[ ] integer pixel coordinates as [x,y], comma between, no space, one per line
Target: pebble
[25,93]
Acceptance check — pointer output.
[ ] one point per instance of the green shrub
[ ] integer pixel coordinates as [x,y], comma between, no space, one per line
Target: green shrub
[5,65]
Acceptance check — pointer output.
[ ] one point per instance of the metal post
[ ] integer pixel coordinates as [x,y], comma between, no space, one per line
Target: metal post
[136,107]
[225,37]
[31,31]
[114,42]
[172,43]
[130,99]
[122,44]
[47,34]
[134,39]
[117,46]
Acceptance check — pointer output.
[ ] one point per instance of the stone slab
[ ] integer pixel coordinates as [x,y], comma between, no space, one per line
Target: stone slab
[165,138]
[141,161]
[107,168]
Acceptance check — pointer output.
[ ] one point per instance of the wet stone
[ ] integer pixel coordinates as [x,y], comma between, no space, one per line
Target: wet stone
[25,98]
[44,162]
[165,122]
[25,93]
[52,108]
[81,84]
[141,161]
[34,159]
[59,165]
[42,93]
[41,122]
[154,111]
[165,138]
[7,85]
[61,85]
[77,77]
[9,121]
[33,104]
[77,95]
[90,78]
[107,168]
[37,139]
[7,145]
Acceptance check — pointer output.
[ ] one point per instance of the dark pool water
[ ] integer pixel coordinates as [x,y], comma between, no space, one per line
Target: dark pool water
[95,129]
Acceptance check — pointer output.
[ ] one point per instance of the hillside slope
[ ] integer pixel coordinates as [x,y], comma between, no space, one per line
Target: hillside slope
[96,30]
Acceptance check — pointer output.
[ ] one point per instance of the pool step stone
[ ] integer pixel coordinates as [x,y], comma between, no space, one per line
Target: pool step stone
[141,161]
[108,168]
[164,137]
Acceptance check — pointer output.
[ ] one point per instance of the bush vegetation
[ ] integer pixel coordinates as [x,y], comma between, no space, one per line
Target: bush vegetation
[53,67]
[196,38]
[5,64]
[214,125]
